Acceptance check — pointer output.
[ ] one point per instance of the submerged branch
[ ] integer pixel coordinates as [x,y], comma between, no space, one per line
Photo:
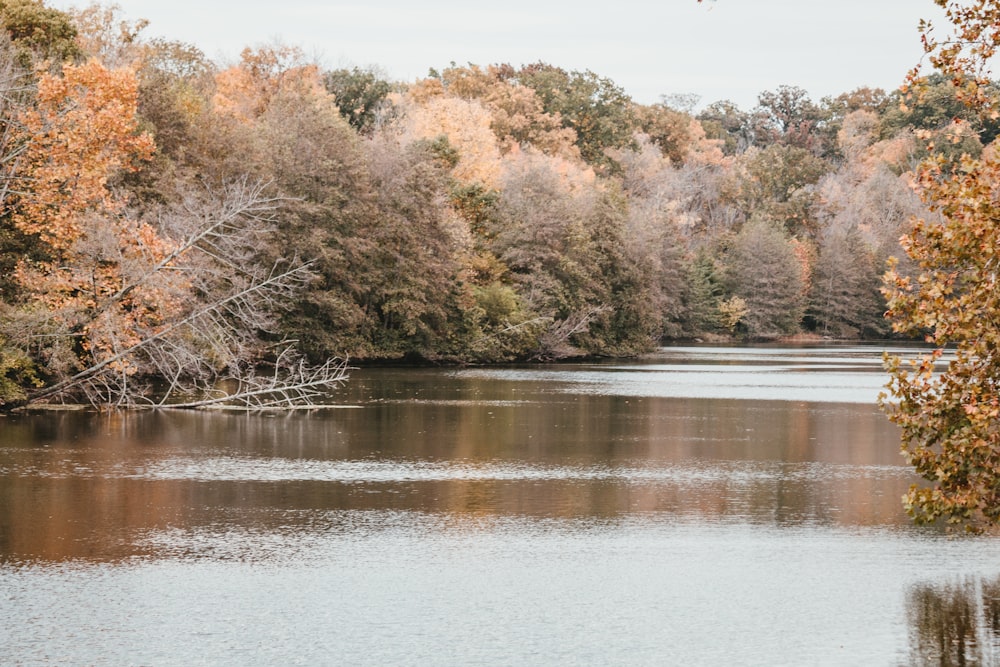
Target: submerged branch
[292,385]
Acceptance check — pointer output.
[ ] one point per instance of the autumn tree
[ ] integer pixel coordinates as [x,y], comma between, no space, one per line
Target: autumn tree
[80,133]
[180,315]
[39,33]
[665,217]
[245,90]
[102,33]
[835,109]
[303,146]
[949,414]
[670,129]
[725,121]
[114,303]
[18,371]
[465,124]
[779,182]
[764,269]
[934,107]
[175,85]
[594,107]
[17,90]
[786,116]
[863,207]
[519,117]
[541,233]
[411,295]
[703,296]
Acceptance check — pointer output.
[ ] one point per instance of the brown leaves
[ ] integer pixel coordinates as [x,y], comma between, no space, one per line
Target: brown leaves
[949,418]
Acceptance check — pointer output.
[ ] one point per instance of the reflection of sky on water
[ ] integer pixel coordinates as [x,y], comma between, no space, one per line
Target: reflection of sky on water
[601,513]
[631,473]
[383,587]
[821,375]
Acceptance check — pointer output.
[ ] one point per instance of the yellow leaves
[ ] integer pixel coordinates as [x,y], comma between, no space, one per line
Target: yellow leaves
[732,311]
[704,151]
[466,124]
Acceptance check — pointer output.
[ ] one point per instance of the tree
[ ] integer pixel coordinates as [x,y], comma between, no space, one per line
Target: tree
[519,118]
[75,139]
[245,90]
[786,116]
[541,233]
[408,281]
[303,146]
[81,133]
[845,298]
[934,106]
[835,110]
[103,34]
[111,304]
[668,128]
[593,106]
[723,120]
[17,92]
[39,32]
[950,417]
[184,310]
[361,95]
[766,272]
[174,83]
[779,182]
[466,126]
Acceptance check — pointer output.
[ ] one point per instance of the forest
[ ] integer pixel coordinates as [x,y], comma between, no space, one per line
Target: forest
[172,228]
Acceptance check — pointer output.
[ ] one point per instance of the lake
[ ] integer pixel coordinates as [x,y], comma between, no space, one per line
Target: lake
[702,506]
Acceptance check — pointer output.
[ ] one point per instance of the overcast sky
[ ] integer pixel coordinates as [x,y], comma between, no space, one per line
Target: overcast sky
[726,49]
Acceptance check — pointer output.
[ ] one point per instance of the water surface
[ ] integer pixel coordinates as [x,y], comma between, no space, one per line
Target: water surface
[703,506]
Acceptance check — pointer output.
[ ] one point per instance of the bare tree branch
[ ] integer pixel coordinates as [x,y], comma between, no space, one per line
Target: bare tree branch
[208,351]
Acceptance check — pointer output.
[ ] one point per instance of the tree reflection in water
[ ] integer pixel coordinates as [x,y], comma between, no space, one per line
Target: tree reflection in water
[955,624]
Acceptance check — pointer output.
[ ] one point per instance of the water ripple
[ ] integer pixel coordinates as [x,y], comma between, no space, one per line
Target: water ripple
[394,471]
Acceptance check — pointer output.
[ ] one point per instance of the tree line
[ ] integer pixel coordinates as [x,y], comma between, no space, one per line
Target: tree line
[173,229]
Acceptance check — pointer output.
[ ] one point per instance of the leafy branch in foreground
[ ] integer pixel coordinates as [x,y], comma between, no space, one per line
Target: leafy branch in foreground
[950,420]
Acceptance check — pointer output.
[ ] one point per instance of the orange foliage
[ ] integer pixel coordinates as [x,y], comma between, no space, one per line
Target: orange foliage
[245,91]
[518,114]
[805,253]
[81,132]
[948,419]
[467,126]
[704,151]
[105,290]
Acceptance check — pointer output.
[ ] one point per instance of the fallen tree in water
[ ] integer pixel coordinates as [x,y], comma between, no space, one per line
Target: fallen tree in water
[187,322]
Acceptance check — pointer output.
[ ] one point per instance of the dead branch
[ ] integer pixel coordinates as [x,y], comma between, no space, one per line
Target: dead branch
[210,349]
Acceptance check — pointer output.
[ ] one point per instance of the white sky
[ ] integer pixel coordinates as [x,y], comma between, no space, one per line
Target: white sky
[727,49]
